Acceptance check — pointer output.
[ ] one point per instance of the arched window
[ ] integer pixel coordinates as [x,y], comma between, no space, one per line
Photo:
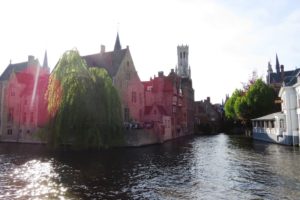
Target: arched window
[180,54]
[183,54]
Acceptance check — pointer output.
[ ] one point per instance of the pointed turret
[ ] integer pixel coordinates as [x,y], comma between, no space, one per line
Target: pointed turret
[45,64]
[277,65]
[270,70]
[117,44]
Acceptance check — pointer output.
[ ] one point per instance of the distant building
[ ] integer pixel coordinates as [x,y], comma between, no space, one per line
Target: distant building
[120,67]
[281,77]
[23,106]
[208,117]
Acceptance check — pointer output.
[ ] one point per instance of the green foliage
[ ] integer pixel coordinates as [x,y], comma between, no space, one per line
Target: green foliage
[256,101]
[84,105]
[261,99]
[229,106]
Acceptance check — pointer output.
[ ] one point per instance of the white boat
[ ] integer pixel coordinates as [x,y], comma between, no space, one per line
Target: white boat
[273,128]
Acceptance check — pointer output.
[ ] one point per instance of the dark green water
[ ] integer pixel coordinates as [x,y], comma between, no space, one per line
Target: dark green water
[207,167]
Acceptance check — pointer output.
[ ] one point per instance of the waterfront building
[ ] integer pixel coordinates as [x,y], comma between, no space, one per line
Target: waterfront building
[120,66]
[282,127]
[208,117]
[169,100]
[163,103]
[23,107]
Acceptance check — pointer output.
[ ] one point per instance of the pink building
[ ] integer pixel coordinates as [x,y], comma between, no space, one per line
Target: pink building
[23,103]
[167,105]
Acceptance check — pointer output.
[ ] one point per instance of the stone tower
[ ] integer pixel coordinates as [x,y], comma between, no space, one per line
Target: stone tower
[183,68]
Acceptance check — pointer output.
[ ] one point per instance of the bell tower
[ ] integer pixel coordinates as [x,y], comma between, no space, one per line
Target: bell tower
[183,68]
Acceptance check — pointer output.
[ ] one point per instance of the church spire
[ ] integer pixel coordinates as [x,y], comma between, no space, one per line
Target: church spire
[117,44]
[45,64]
[277,65]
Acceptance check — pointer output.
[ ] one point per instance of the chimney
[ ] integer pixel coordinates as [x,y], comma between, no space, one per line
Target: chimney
[282,72]
[172,71]
[30,60]
[102,49]
[161,74]
[208,99]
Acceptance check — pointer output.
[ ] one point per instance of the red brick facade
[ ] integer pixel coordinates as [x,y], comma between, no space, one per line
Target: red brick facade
[170,96]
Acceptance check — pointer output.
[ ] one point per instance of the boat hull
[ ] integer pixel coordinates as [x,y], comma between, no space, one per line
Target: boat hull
[269,137]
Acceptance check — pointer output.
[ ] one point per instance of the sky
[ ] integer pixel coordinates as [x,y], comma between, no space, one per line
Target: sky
[228,39]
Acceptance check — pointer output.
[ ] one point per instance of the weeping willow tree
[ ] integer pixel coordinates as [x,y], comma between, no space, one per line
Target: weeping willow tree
[84,106]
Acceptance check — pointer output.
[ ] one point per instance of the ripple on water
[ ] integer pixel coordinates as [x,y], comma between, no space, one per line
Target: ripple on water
[33,179]
[209,167]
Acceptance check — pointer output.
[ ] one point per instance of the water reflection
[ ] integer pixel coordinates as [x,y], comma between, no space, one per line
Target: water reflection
[34,179]
[208,167]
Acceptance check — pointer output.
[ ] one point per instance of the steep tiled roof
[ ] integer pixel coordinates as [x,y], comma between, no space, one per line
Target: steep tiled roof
[111,61]
[290,77]
[12,67]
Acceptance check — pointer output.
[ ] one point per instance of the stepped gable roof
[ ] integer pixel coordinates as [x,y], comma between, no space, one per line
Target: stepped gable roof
[159,84]
[12,68]
[110,61]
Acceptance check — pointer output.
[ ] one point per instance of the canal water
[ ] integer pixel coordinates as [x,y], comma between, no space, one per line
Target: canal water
[199,167]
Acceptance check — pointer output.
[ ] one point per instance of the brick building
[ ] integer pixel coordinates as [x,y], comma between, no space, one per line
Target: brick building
[120,67]
[23,105]
[169,100]
[208,117]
